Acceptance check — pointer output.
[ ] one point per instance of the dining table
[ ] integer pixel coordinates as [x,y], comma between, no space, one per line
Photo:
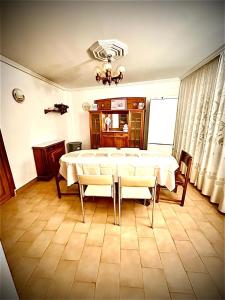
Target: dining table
[118,162]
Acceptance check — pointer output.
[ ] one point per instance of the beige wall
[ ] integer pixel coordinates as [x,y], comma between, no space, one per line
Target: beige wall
[24,125]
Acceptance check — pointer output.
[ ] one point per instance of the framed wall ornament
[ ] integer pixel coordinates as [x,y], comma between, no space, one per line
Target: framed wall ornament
[18,95]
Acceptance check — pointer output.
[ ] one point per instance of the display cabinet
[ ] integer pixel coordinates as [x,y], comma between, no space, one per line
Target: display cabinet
[118,122]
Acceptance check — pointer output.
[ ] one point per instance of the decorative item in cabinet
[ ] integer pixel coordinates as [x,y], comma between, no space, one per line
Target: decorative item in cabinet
[43,154]
[59,108]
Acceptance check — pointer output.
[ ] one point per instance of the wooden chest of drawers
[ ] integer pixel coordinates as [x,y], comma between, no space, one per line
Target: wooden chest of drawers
[43,155]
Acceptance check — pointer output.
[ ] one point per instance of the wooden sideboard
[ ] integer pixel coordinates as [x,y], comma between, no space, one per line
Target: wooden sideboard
[121,111]
[43,156]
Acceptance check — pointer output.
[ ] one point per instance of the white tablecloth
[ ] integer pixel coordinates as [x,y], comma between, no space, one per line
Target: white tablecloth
[118,163]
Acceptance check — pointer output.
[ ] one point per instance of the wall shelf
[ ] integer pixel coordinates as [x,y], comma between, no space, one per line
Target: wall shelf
[58,108]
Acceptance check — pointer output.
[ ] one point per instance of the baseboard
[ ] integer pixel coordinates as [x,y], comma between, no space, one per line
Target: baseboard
[25,186]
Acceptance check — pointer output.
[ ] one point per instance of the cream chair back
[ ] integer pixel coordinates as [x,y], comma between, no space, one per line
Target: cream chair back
[135,181]
[96,179]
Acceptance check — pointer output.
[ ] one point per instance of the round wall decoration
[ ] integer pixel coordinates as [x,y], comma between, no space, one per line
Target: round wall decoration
[18,95]
[86,106]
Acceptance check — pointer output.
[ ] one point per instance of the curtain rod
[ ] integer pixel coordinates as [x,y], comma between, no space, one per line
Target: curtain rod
[204,61]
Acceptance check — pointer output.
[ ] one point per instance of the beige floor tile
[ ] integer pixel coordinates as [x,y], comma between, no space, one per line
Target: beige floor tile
[63,233]
[196,214]
[82,227]
[219,248]
[129,293]
[144,228]
[130,257]
[129,237]
[95,236]
[216,219]
[55,221]
[111,229]
[164,240]
[201,244]
[155,284]
[35,229]
[127,217]
[100,216]
[187,221]
[40,244]
[49,261]
[176,230]
[74,247]
[16,253]
[167,211]
[62,280]
[149,253]
[36,288]
[23,271]
[88,265]
[28,220]
[215,267]
[181,296]
[12,237]
[82,290]
[203,286]
[130,269]
[159,220]
[107,285]
[111,249]
[210,232]
[140,210]
[190,257]
[175,274]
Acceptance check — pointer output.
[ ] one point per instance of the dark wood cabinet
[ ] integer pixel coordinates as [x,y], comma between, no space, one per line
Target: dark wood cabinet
[114,134]
[43,156]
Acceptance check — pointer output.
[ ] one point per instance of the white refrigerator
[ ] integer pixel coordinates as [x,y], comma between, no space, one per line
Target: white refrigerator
[162,119]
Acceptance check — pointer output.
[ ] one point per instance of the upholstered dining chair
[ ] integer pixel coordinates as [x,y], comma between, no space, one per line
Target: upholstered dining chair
[97,186]
[137,187]
[181,175]
[55,156]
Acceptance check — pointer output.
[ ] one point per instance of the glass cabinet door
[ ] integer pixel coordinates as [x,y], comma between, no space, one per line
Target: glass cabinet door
[95,130]
[136,121]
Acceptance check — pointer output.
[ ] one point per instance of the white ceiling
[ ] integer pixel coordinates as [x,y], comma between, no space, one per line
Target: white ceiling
[165,38]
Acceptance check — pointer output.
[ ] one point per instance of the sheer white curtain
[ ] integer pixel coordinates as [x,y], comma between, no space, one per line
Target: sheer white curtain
[200,128]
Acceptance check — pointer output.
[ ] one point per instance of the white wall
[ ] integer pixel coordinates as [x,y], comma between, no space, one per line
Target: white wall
[80,122]
[24,125]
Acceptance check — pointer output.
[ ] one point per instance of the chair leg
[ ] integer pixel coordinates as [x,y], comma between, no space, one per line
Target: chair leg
[58,186]
[114,207]
[183,196]
[175,189]
[144,202]
[157,193]
[82,202]
[153,207]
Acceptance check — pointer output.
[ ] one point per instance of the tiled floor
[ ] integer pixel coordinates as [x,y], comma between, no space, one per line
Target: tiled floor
[53,255]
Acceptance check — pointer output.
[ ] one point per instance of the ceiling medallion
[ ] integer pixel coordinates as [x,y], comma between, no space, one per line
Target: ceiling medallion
[108,51]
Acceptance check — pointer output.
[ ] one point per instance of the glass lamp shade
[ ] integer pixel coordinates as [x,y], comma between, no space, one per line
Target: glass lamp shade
[98,71]
[121,69]
[107,66]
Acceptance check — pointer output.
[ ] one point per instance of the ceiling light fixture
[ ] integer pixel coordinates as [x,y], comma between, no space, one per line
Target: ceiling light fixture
[108,51]
[105,75]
